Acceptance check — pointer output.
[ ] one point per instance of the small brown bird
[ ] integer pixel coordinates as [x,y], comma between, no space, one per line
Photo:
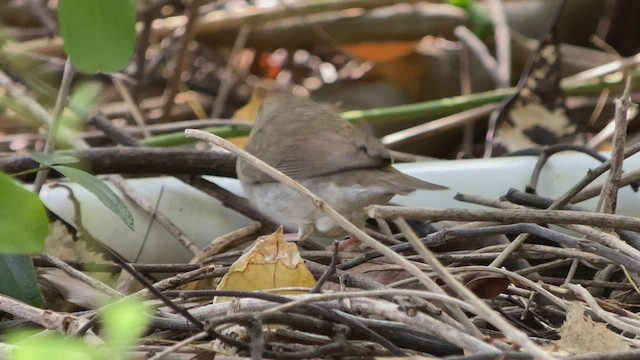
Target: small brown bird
[346,167]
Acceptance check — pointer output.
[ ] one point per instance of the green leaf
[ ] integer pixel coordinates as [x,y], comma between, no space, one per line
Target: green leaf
[46,159]
[82,100]
[100,190]
[98,35]
[124,322]
[27,109]
[23,219]
[51,346]
[481,24]
[18,279]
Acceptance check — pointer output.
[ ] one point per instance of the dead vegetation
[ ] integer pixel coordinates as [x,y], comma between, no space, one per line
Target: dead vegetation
[532,274]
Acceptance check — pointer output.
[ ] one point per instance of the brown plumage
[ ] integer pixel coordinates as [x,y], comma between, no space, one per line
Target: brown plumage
[340,163]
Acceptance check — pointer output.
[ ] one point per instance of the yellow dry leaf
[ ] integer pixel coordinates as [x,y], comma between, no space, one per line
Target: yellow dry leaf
[580,335]
[249,112]
[269,264]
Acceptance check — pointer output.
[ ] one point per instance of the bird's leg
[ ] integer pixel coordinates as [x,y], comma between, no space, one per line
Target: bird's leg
[345,244]
[304,231]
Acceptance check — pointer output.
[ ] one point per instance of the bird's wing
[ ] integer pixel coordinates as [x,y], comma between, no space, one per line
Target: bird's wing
[332,152]
[341,148]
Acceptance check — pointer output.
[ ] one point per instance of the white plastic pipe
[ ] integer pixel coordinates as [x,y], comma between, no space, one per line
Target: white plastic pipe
[203,218]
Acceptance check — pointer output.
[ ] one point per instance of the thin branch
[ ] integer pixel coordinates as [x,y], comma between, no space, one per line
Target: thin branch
[507,216]
[61,101]
[227,75]
[186,33]
[503,42]
[479,49]
[131,103]
[480,307]
[94,283]
[609,195]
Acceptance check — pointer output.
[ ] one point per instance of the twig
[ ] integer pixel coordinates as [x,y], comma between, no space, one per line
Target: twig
[330,270]
[609,195]
[601,313]
[370,294]
[41,11]
[186,33]
[49,319]
[544,266]
[612,355]
[179,345]
[228,199]
[130,160]
[436,127]
[100,122]
[503,42]
[628,178]
[522,198]
[61,101]
[480,307]
[146,18]
[600,137]
[468,130]
[160,217]
[183,278]
[256,342]
[227,75]
[424,322]
[224,241]
[133,108]
[479,49]
[94,283]
[603,70]
[612,242]
[155,129]
[87,236]
[506,216]
[547,152]
[217,21]
[564,200]
[114,267]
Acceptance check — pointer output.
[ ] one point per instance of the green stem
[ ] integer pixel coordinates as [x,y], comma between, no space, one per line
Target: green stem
[178,138]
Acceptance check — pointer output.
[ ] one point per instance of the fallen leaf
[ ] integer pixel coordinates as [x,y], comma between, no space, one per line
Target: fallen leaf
[249,111]
[271,263]
[579,334]
[536,114]
[487,285]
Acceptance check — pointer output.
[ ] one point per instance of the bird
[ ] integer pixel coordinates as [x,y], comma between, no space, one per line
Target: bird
[337,161]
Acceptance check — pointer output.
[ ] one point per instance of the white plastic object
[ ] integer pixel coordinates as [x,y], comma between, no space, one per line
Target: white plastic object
[203,218]
[199,216]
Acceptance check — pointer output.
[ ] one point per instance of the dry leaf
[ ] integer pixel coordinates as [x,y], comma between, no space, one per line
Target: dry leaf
[249,112]
[579,334]
[486,285]
[269,264]
[536,114]
[383,51]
